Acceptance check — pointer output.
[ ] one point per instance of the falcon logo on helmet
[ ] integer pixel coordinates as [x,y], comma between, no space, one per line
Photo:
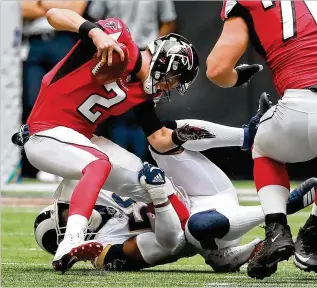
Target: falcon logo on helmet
[184,52]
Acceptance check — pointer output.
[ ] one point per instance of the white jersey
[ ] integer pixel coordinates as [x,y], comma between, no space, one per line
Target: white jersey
[127,218]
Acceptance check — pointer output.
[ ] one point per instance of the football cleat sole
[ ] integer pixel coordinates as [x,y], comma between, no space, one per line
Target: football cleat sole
[84,252]
[261,271]
[304,267]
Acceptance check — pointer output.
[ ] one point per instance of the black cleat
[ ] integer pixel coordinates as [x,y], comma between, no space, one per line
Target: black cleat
[264,103]
[277,246]
[305,257]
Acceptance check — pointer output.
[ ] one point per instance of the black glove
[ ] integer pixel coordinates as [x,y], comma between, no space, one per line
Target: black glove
[21,137]
[186,132]
[251,128]
[245,73]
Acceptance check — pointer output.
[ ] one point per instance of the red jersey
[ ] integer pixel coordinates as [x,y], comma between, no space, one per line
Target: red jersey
[285,33]
[70,97]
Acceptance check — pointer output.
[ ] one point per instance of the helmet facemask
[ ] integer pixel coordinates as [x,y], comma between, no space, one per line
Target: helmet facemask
[53,220]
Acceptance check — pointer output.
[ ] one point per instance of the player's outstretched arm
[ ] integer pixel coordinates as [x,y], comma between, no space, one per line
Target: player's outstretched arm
[64,19]
[161,138]
[225,136]
[67,20]
[224,56]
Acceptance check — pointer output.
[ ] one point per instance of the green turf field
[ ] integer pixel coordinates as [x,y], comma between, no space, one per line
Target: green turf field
[24,264]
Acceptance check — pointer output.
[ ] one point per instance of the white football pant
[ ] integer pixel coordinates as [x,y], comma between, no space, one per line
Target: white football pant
[288,131]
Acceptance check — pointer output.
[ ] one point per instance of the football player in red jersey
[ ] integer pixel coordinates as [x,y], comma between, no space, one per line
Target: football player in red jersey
[71,104]
[285,34]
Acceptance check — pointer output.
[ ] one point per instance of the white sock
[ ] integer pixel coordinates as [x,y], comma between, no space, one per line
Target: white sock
[273,199]
[225,136]
[168,230]
[314,210]
[242,219]
[76,224]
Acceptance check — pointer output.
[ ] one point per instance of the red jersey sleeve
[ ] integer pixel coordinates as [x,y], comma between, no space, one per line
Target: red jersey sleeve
[119,31]
[226,8]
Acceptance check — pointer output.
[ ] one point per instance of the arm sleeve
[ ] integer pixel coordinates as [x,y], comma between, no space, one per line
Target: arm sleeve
[147,118]
[232,8]
[227,6]
[225,136]
[166,11]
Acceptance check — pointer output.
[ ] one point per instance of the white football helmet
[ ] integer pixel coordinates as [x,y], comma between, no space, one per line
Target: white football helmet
[49,233]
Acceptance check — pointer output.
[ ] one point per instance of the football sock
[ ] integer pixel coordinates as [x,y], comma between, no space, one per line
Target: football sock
[272,184]
[225,136]
[75,225]
[86,191]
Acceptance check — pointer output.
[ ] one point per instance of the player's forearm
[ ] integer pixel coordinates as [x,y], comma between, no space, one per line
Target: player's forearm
[64,20]
[225,136]
[221,74]
[161,140]
[31,10]
[76,6]
[167,27]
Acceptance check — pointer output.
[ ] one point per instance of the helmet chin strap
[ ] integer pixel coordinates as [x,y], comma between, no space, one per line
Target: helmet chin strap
[149,85]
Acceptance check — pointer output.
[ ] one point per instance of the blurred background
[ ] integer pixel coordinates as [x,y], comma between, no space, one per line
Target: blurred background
[30,48]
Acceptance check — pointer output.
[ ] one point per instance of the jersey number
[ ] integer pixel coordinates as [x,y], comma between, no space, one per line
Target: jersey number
[288,15]
[138,219]
[96,100]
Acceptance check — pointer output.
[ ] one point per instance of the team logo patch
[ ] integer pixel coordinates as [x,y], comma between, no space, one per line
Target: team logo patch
[111,24]
[183,51]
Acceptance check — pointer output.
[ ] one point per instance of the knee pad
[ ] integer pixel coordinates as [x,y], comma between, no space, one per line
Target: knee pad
[203,227]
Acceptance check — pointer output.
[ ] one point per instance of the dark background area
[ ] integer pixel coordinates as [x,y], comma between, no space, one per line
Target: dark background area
[200,22]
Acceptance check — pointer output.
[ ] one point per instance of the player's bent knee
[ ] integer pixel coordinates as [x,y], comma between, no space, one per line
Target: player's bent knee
[203,227]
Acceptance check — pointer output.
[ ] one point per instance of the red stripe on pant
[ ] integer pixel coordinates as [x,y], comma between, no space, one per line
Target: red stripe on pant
[268,172]
[179,207]
[87,189]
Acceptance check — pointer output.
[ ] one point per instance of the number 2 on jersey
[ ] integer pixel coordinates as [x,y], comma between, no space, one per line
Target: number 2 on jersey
[288,15]
[96,100]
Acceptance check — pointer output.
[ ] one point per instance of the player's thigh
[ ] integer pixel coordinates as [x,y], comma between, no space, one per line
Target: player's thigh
[65,156]
[123,178]
[312,131]
[194,172]
[221,202]
[283,135]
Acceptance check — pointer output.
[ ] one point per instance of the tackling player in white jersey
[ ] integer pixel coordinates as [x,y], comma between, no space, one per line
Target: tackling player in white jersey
[134,240]
[212,225]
